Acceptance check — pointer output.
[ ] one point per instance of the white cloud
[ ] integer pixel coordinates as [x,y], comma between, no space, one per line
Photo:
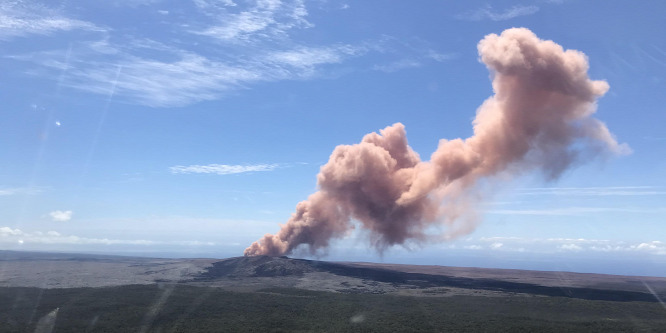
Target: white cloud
[155,83]
[7,232]
[157,74]
[570,247]
[496,246]
[179,77]
[21,18]
[222,169]
[17,236]
[556,212]
[251,43]
[213,4]
[607,248]
[419,58]
[594,191]
[60,215]
[654,246]
[397,65]
[487,12]
[20,190]
[550,245]
[440,57]
[496,239]
[576,240]
[310,56]
[265,19]
[571,211]
[134,3]
[193,243]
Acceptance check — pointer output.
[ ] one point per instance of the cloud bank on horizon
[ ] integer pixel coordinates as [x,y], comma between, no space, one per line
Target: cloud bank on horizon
[539,119]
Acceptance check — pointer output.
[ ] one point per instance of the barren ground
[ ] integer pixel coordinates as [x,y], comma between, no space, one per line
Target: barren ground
[44,270]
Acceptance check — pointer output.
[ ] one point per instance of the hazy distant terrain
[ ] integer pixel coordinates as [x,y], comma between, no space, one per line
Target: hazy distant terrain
[47,270]
[58,270]
[72,292]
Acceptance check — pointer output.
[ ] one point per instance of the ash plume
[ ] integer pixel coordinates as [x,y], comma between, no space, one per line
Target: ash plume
[539,119]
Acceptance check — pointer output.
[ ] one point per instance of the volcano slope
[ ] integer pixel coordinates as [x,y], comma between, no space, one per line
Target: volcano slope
[283,294]
[256,272]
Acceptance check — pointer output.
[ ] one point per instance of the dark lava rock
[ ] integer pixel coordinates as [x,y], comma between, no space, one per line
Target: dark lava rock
[264,266]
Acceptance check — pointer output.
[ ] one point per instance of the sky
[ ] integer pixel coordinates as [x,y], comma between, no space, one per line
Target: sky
[193,128]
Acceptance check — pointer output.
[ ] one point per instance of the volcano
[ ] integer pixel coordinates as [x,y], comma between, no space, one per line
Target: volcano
[430,280]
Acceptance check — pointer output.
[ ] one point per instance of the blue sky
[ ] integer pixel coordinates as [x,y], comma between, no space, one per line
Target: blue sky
[192,128]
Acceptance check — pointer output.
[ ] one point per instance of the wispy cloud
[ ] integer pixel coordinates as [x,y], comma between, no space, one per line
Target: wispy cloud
[214,4]
[264,19]
[189,78]
[7,191]
[222,169]
[572,211]
[418,56]
[61,215]
[570,247]
[440,57]
[223,47]
[488,13]
[594,191]
[175,77]
[16,236]
[416,53]
[496,245]
[304,57]
[397,65]
[552,245]
[20,18]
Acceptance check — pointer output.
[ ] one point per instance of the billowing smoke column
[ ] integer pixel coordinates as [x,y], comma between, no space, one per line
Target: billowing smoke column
[538,119]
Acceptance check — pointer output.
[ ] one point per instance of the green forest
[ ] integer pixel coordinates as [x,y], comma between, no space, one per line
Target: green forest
[178,308]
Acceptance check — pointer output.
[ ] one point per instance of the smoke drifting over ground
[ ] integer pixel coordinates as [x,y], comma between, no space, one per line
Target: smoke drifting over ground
[539,119]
